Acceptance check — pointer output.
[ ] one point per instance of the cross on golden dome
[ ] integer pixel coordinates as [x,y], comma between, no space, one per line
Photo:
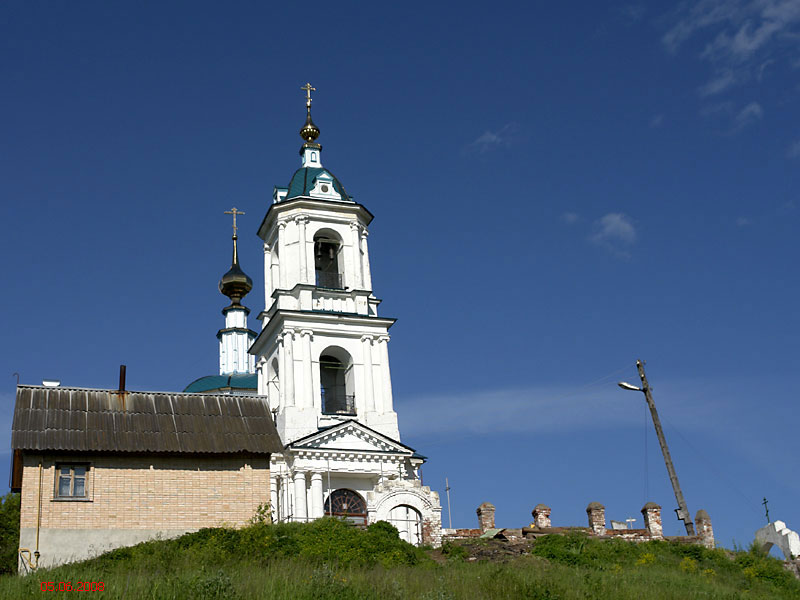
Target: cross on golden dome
[308,89]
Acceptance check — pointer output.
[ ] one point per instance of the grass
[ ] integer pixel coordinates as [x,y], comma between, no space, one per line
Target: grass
[329,559]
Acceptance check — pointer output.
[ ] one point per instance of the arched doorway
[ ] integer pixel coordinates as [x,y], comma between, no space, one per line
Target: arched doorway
[408,522]
[348,505]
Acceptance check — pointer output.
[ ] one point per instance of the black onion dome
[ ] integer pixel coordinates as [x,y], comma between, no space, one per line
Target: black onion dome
[235,284]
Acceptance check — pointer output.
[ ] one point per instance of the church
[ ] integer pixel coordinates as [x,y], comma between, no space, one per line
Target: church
[321,360]
[300,418]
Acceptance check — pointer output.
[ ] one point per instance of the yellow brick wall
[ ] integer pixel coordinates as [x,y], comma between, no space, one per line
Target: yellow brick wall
[176,492]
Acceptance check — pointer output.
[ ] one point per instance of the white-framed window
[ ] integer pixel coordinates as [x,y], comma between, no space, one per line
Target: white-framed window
[72,481]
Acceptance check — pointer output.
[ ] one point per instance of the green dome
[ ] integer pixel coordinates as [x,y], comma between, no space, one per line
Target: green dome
[215,383]
[304,179]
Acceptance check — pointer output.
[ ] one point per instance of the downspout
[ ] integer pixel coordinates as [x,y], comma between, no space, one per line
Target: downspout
[38,517]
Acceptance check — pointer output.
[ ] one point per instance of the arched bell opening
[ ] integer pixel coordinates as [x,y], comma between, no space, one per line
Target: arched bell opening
[327,267]
[347,504]
[336,382]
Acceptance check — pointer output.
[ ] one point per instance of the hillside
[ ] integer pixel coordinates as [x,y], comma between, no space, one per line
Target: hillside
[330,559]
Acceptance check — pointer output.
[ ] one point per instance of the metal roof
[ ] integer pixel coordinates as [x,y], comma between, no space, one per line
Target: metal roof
[77,419]
[302,182]
[210,383]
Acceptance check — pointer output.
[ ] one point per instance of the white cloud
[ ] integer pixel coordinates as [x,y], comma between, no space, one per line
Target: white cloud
[793,151]
[633,13]
[742,222]
[740,38]
[570,218]
[719,83]
[490,140]
[533,409]
[657,121]
[614,229]
[749,114]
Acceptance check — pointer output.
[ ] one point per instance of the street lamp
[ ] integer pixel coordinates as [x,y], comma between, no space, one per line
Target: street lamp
[682,511]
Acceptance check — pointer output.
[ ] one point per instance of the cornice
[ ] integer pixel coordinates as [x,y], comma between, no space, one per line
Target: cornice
[338,206]
[310,318]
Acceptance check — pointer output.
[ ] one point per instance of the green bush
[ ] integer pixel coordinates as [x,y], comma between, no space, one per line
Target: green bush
[9,532]
[324,540]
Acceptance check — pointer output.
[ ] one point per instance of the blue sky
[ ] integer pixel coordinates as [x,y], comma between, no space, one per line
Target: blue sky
[558,189]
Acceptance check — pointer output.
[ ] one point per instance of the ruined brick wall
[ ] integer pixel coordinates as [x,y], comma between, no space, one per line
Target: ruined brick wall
[541,516]
[705,532]
[596,513]
[651,512]
[149,492]
[486,516]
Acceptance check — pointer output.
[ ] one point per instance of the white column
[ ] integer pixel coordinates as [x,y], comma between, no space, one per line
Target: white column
[301,226]
[267,278]
[317,509]
[366,353]
[287,370]
[300,513]
[308,377]
[365,257]
[356,283]
[282,254]
[273,497]
[388,403]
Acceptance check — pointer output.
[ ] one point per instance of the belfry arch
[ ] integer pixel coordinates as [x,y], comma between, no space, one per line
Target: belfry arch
[337,385]
[328,263]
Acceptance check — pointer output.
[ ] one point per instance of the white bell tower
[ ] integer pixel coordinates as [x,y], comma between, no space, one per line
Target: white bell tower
[322,355]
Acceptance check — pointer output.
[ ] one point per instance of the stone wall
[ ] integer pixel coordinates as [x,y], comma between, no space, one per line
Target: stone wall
[595,512]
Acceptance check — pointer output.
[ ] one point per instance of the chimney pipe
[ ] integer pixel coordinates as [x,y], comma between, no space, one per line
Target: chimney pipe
[122,378]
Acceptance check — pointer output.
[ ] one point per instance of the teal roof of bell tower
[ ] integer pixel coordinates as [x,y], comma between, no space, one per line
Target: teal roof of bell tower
[303,182]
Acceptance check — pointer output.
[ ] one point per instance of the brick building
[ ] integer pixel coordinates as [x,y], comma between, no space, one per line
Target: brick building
[99,469]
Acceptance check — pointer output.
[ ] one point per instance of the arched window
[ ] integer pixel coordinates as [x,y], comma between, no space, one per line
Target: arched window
[336,382]
[347,504]
[408,522]
[326,260]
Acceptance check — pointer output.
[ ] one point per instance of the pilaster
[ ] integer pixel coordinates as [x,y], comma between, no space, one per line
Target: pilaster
[301,222]
[268,284]
[356,255]
[308,377]
[369,391]
[282,253]
[287,369]
[387,402]
[365,260]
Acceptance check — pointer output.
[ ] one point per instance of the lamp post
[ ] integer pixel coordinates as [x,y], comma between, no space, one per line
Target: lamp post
[682,511]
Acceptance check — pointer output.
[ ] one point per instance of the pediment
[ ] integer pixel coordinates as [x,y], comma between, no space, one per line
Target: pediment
[324,188]
[351,436]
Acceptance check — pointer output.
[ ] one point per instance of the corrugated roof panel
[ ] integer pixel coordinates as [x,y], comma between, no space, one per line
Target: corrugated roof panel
[38,400]
[59,401]
[80,419]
